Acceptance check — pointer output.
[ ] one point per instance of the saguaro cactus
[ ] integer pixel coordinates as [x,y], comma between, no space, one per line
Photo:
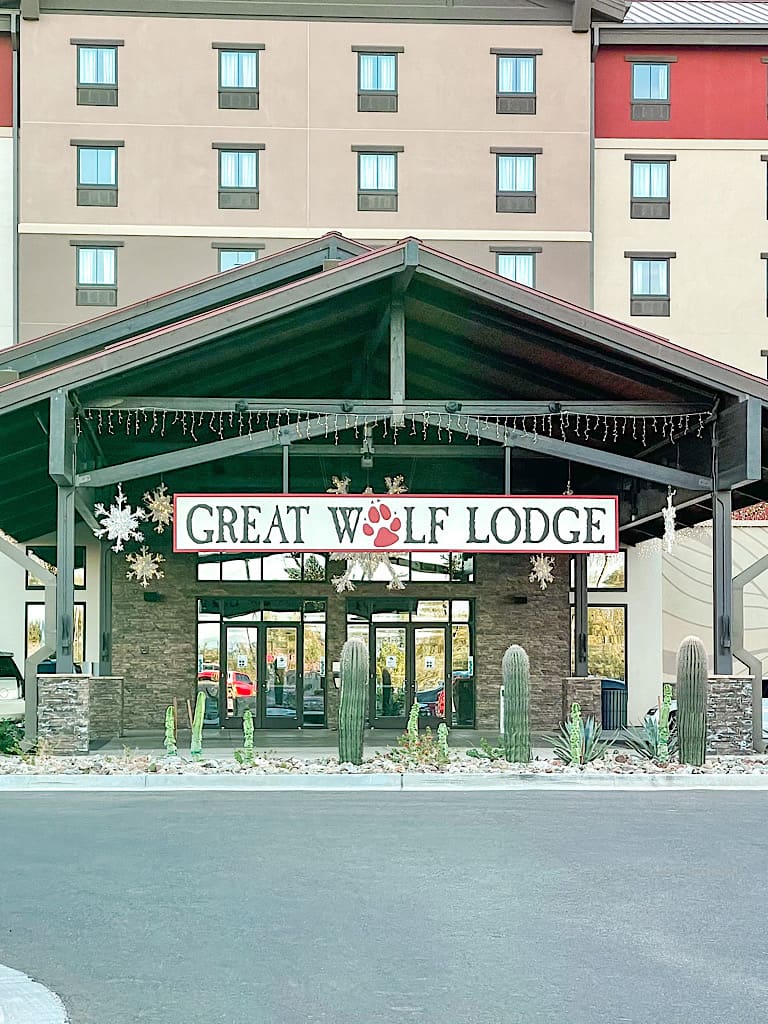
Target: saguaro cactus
[516,676]
[692,701]
[354,691]
[170,732]
[196,744]
[248,736]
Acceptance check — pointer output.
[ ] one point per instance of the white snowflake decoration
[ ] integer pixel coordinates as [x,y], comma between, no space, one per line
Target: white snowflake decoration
[669,516]
[120,522]
[159,504]
[542,570]
[340,485]
[144,566]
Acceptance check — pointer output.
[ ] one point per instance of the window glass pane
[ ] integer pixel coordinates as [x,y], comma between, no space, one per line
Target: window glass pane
[649,277]
[650,82]
[517,74]
[208,666]
[97,65]
[460,611]
[431,611]
[377,72]
[425,566]
[462,677]
[240,568]
[208,569]
[607,572]
[238,169]
[607,636]
[97,166]
[238,69]
[515,173]
[314,568]
[47,553]
[230,258]
[35,631]
[650,180]
[517,266]
[377,172]
[462,568]
[96,267]
[281,567]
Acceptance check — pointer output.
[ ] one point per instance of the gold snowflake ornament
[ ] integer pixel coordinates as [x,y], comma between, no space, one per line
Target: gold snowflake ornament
[159,504]
[144,566]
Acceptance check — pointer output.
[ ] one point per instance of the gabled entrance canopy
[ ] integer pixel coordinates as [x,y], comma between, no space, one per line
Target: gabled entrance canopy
[278,375]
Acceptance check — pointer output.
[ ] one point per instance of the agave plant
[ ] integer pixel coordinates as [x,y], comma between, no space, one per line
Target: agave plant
[579,741]
[648,742]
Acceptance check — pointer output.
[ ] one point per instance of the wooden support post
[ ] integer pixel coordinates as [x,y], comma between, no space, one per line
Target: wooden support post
[105,609]
[722,583]
[580,616]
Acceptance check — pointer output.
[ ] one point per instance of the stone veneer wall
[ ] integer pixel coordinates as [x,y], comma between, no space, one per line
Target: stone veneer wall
[154,645]
[105,707]
[62,713]
[729,715]
[587,691]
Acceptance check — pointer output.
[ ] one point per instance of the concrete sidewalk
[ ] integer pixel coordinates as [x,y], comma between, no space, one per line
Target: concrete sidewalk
[23,1001]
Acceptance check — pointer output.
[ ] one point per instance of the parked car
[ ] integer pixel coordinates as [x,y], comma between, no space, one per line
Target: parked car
[11,680]
[430,701]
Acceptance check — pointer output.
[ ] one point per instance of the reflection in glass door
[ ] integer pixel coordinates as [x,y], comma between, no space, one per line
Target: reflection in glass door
[240,686]
[429,658]
[281,684]
[390,697]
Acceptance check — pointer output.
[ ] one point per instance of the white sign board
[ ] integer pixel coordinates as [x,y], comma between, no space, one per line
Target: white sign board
[242,661]
[429,662]
[391,661]
[344,523]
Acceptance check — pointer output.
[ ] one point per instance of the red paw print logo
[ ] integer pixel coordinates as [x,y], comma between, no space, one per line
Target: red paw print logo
[384,526]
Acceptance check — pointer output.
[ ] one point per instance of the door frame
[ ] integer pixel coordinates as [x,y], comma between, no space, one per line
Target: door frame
[400,721]
[261,720]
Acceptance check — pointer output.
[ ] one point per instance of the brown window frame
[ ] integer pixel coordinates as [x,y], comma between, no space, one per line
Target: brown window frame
[516,102]
[650,109]
[649,208]
[378,101]
[653,304]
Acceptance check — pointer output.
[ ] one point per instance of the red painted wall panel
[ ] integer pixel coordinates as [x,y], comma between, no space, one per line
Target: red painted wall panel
[714,94]
[6,81]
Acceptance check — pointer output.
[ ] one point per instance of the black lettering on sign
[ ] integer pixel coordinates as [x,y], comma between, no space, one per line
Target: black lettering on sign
[249,523]
[472,537]
[495,525]
[530,511]
[591,511]
[207,534]
[345,529]
[297,510]
[227,519]
[276,524]
[434,523]
[409,537]
[573,537]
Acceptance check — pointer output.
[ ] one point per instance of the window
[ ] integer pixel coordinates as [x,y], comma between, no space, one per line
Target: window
[649,282]
[649,187]
[517,266]
[47,552]
[515,181]
[239,176]
[650,90]
[606,641]
[96,276]
[377,179]
[35,631]
[239,79]
[231,258]
[377,80]
[515,82]
[97,175]
[605,572]
[305,568]
[97,76]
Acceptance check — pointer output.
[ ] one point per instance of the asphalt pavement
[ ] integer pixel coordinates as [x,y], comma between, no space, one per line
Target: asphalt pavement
[378,908]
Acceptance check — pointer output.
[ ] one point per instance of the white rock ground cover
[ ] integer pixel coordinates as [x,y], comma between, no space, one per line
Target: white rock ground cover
[273,763]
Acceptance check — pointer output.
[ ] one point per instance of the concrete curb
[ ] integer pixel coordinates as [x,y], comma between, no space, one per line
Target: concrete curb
[23,1001]
[386,782]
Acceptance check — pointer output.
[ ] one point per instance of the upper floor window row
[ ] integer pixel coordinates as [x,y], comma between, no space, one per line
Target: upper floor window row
[238,76]
[650,78]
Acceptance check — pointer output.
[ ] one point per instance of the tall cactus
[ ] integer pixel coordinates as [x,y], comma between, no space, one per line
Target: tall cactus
[196,744]
[692,701]
[516,676]
[354,691]
[248,737]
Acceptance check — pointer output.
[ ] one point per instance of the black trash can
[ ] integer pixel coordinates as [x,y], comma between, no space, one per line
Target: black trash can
[613,694]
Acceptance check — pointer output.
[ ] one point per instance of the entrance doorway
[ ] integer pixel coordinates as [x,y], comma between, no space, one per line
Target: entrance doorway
[264,659]
[415,660]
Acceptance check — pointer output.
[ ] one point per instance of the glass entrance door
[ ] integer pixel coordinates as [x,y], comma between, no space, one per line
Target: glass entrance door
[409,664]
[389,699]
[429,664]
[238,688]
[281,678]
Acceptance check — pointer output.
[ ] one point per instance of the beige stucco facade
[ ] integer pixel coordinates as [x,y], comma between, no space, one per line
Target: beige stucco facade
[717,230]
[168,118]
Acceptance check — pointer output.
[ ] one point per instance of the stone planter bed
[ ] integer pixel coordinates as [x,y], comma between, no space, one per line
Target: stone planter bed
[271,763]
